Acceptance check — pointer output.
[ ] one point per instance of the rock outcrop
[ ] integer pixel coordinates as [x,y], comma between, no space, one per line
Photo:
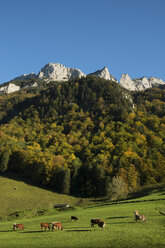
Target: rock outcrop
[58,72]
[104,73]
[35,84]
[139,84]
[9,88]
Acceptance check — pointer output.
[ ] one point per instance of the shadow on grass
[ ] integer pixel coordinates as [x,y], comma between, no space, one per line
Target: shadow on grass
[18,177]
[33,232]
[77,227]
[100,200]
[161,212]
[80,230]
[116,223]
[118,217]
[147,191]
[6,231]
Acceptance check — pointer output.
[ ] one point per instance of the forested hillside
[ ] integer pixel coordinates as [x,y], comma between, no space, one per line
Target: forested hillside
[76,136]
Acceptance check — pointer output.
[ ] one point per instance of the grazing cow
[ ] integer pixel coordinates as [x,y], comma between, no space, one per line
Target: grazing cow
[45,225]
[57,225]
[139,217]
[74,218]
[19,226]
[95,222]
[101,224]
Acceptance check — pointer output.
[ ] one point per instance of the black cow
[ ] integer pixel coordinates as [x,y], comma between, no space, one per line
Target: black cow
[95,222]
[74,218]
[101,224]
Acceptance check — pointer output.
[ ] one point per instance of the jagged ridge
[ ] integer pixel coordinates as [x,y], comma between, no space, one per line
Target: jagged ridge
[58,72]
[139,84]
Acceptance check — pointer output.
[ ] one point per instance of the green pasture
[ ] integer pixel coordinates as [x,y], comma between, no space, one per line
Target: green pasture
[31,205]
[121,230]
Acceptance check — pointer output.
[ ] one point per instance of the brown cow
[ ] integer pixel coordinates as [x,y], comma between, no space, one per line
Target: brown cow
[74,218]
[45,225]
[101,224]
[57,225]
[95,222]
[19,226]
[139,217]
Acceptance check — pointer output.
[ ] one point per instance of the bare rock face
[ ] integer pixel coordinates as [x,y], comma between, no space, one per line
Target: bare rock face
[10,88]
[58,72]
[155,81]
[35,84]
[127,82]
[104,73]
[139,84]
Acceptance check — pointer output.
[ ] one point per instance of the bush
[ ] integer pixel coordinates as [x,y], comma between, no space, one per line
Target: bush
[117,189]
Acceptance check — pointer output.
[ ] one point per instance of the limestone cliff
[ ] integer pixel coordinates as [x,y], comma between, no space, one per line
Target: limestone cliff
[139,84]
[9,88]
[104,73]
[58,72]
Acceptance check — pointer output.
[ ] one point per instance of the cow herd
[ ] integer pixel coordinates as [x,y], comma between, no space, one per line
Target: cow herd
[93,222]
[59,226]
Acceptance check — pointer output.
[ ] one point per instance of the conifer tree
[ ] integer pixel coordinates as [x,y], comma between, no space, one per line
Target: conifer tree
[4,162]
[65,184]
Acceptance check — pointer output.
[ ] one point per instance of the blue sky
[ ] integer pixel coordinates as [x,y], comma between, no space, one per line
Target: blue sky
[127,36]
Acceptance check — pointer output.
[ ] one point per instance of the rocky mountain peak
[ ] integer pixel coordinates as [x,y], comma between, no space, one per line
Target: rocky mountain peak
[139,84]
[58,72]
[127,82]
[155,81]
[104,73]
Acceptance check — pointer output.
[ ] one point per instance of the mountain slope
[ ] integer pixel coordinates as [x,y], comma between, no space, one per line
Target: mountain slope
[75,136]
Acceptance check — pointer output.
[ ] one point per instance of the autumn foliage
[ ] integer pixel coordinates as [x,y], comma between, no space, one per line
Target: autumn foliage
[76,136]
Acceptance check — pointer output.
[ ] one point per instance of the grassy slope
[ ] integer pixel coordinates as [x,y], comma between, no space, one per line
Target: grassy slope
[17,195]
[121,229]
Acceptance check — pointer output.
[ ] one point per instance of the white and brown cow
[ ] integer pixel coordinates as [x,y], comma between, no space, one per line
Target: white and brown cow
[57,225]
[18,226]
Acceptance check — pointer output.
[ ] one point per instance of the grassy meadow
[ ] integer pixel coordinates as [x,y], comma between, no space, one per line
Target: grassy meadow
[20,196]
[121,229]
